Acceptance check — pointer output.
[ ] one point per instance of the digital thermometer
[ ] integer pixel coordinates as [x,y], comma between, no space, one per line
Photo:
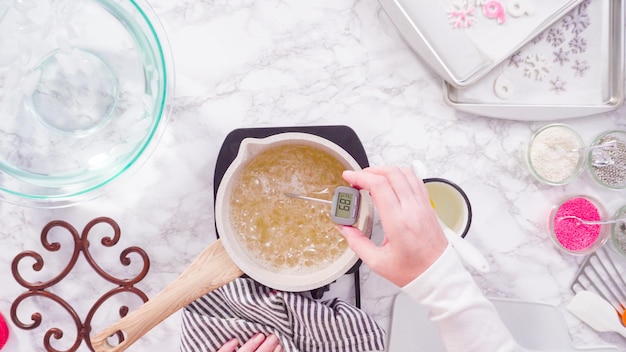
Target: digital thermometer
[344,206]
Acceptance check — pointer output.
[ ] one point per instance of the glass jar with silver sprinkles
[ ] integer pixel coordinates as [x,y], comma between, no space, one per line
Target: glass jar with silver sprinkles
[618,232]
[607,165]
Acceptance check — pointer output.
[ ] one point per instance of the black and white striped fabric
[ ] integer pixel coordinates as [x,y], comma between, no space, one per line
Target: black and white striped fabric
[244,307]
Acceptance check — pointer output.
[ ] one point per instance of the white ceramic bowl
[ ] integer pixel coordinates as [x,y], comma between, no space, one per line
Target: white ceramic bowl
[251,147]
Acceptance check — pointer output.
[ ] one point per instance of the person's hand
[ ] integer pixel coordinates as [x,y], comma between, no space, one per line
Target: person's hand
[413,237]
[258,343]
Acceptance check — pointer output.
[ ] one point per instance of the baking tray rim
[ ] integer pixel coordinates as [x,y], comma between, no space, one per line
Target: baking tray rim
[538,112]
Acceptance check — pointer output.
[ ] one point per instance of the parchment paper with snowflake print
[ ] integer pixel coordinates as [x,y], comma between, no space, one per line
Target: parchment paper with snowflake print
[469,37]
[567,64]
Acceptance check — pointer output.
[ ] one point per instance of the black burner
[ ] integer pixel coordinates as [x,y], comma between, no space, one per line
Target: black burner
[343,136]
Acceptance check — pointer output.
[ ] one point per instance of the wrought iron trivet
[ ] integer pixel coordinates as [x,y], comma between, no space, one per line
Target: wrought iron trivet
[81,244]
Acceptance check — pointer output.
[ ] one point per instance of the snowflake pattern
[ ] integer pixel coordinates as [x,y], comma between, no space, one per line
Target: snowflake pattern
[583,5]
[580,67]
[578,45]
[561,56]
[536,67]
[555,36]
[577,21]
[462,14]
[557,85]
[539,38]
[516,59]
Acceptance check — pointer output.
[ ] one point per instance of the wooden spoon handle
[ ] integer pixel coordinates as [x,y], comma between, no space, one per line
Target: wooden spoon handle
[211,269]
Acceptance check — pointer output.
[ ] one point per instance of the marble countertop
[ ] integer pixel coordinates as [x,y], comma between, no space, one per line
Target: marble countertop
[246,63]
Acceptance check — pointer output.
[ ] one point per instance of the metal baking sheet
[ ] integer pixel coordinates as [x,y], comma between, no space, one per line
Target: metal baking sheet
[562,73]
[462,40]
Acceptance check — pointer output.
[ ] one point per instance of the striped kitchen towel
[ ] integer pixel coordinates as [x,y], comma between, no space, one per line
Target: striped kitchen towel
[244,307]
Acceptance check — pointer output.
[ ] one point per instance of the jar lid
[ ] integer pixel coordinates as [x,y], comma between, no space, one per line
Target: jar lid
[4,332]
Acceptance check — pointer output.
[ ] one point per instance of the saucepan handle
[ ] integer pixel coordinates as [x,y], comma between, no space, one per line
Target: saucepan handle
[212,269]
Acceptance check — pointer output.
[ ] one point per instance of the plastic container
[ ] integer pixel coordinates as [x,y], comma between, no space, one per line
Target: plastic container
[607,166]
[552,154]
[570,234]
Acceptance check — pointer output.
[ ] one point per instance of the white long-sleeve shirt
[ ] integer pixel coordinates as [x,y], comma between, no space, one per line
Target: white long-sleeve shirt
[466,319]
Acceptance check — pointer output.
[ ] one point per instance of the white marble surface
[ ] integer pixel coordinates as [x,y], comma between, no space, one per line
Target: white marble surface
[246,63]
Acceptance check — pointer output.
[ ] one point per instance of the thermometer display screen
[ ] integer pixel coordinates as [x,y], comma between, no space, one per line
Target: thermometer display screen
[345,205]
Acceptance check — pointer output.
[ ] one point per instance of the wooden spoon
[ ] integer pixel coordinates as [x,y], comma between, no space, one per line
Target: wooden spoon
[210,270]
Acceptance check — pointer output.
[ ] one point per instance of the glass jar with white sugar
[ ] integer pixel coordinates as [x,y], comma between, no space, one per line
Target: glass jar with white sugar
[555,154]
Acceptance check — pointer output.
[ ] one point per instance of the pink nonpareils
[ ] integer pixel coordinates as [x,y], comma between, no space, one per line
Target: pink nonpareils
[571,233]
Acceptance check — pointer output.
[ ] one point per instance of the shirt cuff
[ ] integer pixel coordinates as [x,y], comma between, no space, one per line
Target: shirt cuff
[447,264]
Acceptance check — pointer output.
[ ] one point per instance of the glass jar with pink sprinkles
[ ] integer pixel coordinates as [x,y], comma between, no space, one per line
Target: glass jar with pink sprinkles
[572,228]
[607,159]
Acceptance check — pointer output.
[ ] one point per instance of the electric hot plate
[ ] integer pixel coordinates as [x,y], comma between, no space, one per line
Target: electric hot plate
[341,135]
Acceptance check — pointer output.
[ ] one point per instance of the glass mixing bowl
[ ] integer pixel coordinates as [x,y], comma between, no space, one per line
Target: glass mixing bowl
[84,90]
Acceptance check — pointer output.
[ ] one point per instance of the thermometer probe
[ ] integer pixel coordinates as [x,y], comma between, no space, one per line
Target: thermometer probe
[345,204]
